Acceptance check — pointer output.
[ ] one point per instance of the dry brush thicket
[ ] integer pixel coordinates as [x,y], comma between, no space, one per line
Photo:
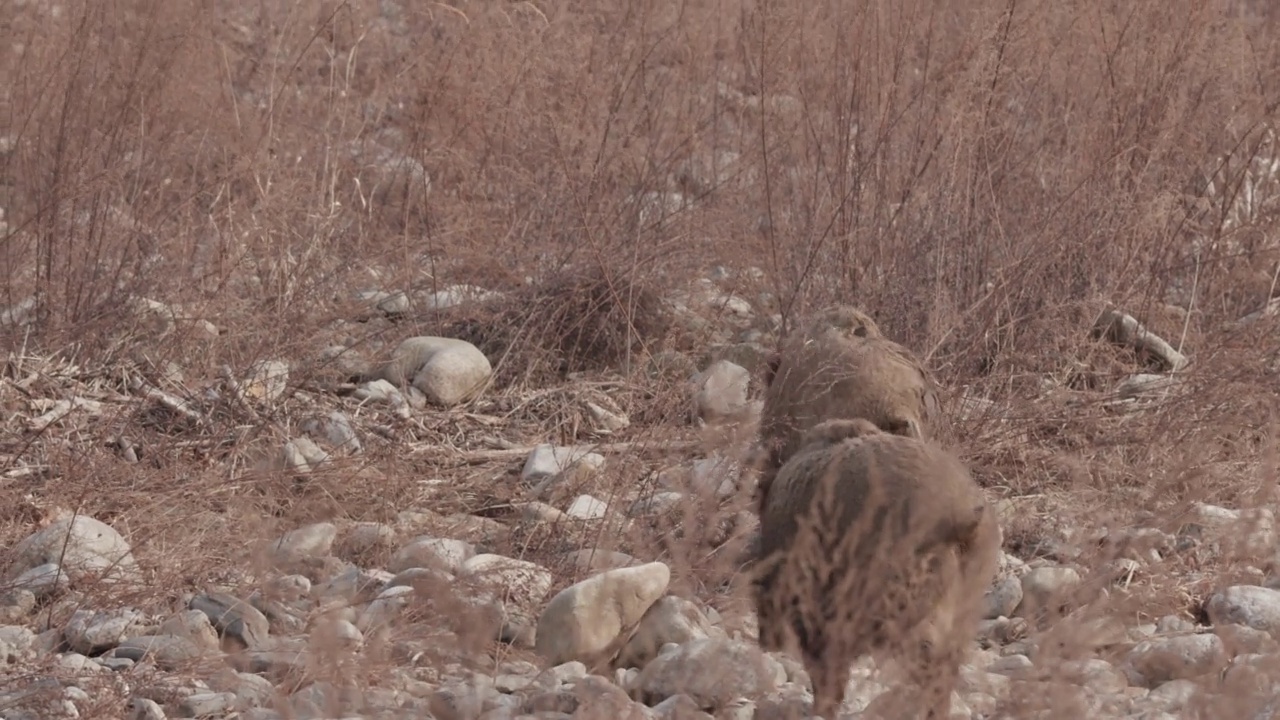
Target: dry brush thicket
[222,219]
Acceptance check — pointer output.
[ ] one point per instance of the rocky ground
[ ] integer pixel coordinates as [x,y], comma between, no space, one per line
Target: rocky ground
[570,599]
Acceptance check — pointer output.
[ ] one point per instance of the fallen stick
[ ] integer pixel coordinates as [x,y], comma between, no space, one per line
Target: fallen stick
[172,402]
[1124,329]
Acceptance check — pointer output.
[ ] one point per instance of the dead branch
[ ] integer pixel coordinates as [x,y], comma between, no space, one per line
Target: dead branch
[1124,329]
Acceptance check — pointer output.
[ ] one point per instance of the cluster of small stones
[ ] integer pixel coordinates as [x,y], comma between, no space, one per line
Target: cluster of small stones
[617,642]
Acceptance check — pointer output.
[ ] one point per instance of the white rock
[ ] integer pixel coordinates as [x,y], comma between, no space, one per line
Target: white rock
[457,295]
[671,620]
[1044,588]
[447,370]
[385,608]
[506,578]
[433,553]
[91,632]
[267,381]
[335,428]
[547,461]
[605,421]
[336,633]
[83,546]
[301,454]
[722,392]
[586,507]
[141,708]
[308,541]
[583,619]
[380,391]
[387,303]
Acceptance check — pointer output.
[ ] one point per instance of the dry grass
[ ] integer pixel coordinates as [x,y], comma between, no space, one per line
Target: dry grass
[981,177]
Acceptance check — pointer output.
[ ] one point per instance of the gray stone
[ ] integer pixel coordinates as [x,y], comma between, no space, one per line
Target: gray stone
[234,618]
[712,672]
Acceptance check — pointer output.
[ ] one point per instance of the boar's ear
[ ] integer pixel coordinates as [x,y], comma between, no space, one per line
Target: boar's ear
[966,529]
[959,530]
[771,367]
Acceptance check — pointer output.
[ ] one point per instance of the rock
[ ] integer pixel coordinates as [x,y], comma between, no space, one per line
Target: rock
[1172,696]
[15,641]
[206,704]
[716,476]
[712,672]
[448,371]
[1248,605]
[363,538]
[582,620]
[1094,673]
[503,578]
[336,430]
[167,651]
[385,608]
[91,632]
[267,381]
[380,391]
[82,546]
[597,697]
[475,529]
[330,634]
[300,455]
[458,295]
[461,701]
[605,421]
[539,512]
[659,503]
[233,618]
[17,603]
[1003,597]
[387,303]
[341,363]
[307,542]
[141,708]
[1154,662]
[353,585]
[192,625]
[670,620]
[547,462]
[585,507]
[682,707]
[43,581]
[1242,639]
[1001,630]
[722,392]
[1046,589]
[746,354]
[433,553]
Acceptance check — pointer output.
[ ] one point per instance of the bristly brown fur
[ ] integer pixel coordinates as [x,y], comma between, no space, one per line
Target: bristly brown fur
[873,543]
[841,366]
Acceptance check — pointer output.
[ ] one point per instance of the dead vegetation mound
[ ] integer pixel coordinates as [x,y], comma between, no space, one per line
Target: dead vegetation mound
[573,323]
